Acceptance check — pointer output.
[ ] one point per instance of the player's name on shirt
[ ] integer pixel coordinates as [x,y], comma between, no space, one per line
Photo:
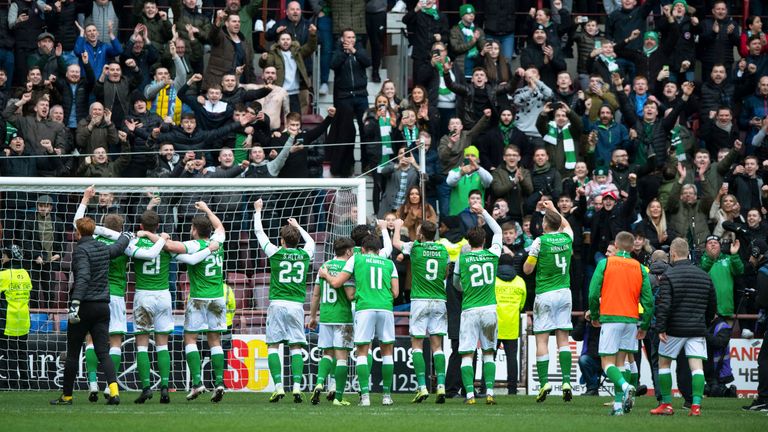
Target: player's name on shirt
[475,258]
[432,253]
[556,249]
[293,256]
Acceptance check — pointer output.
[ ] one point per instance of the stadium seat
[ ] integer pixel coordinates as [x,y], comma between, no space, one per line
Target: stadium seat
[242,287]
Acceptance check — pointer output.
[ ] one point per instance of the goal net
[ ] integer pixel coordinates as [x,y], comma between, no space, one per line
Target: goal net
[37,214]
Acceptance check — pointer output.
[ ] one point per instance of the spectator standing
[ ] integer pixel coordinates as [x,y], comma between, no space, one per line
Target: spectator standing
[15,289]
[287,56]
[500,24]
[467,41]
[719,36]
[376,26]
[426,25]
[230,50]
[510,300]
[25,19]
[349,64]
[99,52]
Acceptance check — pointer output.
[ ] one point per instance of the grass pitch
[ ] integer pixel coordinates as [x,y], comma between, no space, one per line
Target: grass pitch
[30,411]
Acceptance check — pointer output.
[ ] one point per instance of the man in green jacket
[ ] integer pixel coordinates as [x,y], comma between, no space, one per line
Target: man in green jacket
[722,268]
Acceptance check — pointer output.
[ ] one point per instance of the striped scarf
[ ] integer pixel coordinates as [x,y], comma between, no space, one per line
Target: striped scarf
[442,89]
[166,103]
[385,129]
[469,33]
[677,143]
[568,145]
[411,136]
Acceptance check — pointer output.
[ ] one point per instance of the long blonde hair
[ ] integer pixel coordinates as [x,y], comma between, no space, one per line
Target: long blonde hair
[661,228]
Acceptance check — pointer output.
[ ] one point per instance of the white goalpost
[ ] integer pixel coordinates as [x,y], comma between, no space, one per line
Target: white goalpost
[36,217]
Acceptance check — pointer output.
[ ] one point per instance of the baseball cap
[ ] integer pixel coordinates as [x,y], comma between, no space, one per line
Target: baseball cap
[45,35]
[713,237]
[610,194]
[44,199]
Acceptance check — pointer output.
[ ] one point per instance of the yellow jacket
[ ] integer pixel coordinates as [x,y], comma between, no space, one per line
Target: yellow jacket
[510,300]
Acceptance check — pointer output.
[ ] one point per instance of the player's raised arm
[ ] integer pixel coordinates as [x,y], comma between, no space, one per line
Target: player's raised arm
[386,242]
[396,242]
[492,224]
[565,226]
[146,253]
[218,227]
[343,276]
[309,242]
[88,193]
[261,236]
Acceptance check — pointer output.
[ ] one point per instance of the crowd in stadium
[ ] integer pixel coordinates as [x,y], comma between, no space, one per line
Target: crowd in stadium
[649,117]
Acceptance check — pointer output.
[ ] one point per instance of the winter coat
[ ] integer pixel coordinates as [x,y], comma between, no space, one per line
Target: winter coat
[90,265]
[223,58]
[622,22]
[502,21]
[466,110]
[688,218]
[718,47]
[686,302]
[606,224]
[350,79]
[298,53]
[422,29]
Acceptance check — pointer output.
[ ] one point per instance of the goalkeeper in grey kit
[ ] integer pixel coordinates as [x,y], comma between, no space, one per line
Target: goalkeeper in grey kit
[89,307]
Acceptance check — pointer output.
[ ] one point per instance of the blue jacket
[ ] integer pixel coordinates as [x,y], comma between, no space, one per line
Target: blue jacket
[754,106]
[609,138]
[97,55]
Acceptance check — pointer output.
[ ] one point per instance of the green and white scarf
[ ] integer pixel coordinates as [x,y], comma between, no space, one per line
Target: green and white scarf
[432,11]
[677,143]
[442,89]
[411,136]
[568,146]
[610,62]
[469,33]
[385,129]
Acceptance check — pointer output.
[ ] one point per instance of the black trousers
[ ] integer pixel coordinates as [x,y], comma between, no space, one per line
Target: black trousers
[94,319]
[510,351]
[14,374]
[453,384]
[376,27]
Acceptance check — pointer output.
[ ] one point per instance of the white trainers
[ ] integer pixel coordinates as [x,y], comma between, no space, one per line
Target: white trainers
[365,400]
[387,400]
[399,7]
[747,334]
[195,392]
[323,89]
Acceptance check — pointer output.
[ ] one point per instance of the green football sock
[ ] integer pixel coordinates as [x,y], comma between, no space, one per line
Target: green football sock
[116,358]
[142,364]
[634,379]
[614,374]
[489,373]
[217,360]
[164,365]
[332,370]
[627,375]
[564,357]
[697,386]
[91,363]
[387,373]
[419,367]
[323,369]
[665,385]
[468,378]
[275,367]
[369,359]
[618,396]
[297,366]
[341,378]
[363,374]
[439,361]
[542,369]
[193,363]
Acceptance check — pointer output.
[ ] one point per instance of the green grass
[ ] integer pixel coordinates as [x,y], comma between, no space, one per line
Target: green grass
[29,411]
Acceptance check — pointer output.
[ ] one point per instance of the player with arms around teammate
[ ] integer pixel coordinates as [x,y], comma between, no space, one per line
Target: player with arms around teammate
[618,285]
[551,253]
[118,326]
[335,335]
[206,308]
[152,306]
[376,287]
[287,291]
[475,276]
[429,267]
